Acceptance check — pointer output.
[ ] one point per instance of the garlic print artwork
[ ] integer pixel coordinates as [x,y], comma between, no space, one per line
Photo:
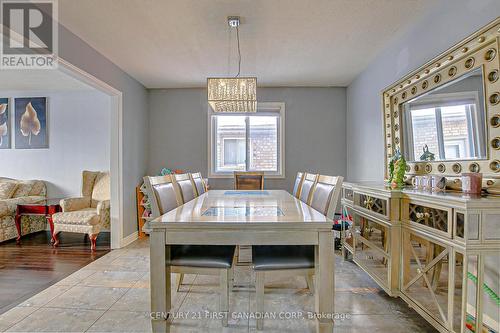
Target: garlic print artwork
[31,123]
[4,124]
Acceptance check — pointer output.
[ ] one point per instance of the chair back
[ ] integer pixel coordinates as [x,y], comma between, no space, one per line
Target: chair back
[96,185]
[298,184]
[325,195]
[308,183]
[162,194]
[185,186]
[101,190]
[248,180]
[199,183]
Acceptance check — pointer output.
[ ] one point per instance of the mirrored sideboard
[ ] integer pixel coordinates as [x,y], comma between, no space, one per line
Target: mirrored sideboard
[439,252]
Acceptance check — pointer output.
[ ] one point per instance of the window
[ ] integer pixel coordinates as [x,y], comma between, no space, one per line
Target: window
[247,141]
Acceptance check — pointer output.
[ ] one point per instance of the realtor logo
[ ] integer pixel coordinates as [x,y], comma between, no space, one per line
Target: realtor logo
[29,34]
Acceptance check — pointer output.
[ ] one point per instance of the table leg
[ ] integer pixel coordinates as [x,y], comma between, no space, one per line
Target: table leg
[160,282]
[18,225]
[324,266]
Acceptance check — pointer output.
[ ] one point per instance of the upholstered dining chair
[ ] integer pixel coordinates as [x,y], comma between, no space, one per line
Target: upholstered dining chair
[297,259]
[185,186]
[191,259]
[308,183]
[298,184]
[325,195]
[186,189]
[248,180]
[89,213]
[199,183]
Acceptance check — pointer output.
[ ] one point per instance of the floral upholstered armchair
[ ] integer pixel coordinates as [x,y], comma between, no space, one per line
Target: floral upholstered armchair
[88,214]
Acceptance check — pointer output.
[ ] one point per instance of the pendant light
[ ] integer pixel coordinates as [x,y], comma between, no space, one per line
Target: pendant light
[233,94]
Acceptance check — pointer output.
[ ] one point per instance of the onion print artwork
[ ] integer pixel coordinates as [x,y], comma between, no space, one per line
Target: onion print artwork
[4,124]
[31,123]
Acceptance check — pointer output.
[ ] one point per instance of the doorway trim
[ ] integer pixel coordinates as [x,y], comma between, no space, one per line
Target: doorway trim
[116,151]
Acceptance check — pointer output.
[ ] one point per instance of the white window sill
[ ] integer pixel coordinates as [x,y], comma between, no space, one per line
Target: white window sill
[211,175]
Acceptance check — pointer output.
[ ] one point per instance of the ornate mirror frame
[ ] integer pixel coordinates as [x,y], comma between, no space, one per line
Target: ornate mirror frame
[480,50]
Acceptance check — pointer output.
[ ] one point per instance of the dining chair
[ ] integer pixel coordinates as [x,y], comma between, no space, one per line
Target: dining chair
[185,186]
[248,180]
[308,183]
[199,183]
[191,259]
[298,184]
[296,259]
[324,197]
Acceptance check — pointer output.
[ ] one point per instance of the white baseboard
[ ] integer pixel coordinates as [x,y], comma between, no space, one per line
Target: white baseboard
[129,239]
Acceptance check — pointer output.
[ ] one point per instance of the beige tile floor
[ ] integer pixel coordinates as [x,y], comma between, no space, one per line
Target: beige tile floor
[112,295]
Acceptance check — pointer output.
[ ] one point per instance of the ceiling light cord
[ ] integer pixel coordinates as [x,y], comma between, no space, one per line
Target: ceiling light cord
[239,51]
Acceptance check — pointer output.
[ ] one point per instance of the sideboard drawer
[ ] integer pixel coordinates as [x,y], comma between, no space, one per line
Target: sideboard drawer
[372,203]
[433,218]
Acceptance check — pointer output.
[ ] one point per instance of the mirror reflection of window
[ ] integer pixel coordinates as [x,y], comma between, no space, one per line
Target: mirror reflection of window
[448,121]
[457,124]
[424,132]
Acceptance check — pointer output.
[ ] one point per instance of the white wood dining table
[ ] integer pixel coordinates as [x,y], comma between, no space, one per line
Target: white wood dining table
[219,217]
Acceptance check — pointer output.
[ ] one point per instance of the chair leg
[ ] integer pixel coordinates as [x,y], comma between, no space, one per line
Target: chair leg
[259,294]
[231,272]
[310,282]
[180,276]
[55,238]
[93,239]
[224,295]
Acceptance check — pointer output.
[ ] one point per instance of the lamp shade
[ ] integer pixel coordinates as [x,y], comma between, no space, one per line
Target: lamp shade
[237,94]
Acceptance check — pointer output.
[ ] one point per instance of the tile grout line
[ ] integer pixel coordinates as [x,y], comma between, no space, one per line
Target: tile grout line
[187,293]
[119,298]
[17,322]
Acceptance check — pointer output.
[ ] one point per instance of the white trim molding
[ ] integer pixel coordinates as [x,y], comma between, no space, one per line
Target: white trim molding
[116,156]
[129,239]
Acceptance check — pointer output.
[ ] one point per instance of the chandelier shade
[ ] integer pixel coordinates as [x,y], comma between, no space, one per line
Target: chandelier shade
[238,94]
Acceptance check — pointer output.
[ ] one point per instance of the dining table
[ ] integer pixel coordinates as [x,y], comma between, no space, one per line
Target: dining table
[231,217]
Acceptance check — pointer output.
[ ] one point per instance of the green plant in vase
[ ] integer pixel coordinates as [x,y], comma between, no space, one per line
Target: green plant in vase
[397,168]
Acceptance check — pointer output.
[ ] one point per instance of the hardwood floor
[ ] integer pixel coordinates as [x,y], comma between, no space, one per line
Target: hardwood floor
[34,265]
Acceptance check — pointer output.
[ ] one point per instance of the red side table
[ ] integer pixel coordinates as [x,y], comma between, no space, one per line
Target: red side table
[45,208]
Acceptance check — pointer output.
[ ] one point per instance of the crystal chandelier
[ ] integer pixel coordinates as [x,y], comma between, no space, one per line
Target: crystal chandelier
[235,94]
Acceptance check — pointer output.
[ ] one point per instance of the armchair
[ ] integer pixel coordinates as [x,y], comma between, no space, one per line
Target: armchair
[86,214]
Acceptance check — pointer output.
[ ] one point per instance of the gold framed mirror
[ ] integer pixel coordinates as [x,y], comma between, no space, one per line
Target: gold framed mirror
[444,117]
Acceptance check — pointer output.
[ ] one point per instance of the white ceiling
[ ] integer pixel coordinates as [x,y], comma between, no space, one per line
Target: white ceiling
[179,43]
[33,80]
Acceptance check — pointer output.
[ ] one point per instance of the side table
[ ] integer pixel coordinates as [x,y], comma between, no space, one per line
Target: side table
[43,208]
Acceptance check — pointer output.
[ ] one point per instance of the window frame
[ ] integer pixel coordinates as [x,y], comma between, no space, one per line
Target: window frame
[277,108]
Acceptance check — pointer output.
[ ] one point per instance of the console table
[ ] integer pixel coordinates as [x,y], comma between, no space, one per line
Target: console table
[439,252]
[45,208]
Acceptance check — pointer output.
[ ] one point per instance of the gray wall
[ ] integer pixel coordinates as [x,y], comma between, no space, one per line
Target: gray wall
[446,24]
[315,133]
[135,116]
